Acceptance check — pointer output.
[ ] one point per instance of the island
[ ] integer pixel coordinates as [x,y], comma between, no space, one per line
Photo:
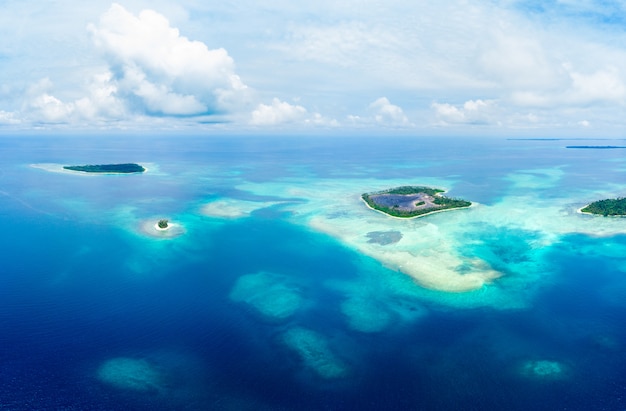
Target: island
[412,201]
[126,168]
[597,147]
[608,207]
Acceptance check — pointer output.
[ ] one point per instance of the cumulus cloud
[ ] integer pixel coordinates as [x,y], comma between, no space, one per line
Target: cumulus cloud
[45,107]
[99,103]
[278,112]
[516,60]
[340,44]
[603,86]
[281,112]
[159,71]
[7,117]
[387,113]
[471,112]
[544,66]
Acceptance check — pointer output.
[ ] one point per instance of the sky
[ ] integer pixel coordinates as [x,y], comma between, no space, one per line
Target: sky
[493,67]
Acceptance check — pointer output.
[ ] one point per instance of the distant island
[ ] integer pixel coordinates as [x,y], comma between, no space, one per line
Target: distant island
[534,139]
[126,168]
[608,207]
[597,147]
[411,201]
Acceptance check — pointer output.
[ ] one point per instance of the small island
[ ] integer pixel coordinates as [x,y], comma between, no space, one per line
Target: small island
[126,168]
[597,147]
[608,207]
[412,201]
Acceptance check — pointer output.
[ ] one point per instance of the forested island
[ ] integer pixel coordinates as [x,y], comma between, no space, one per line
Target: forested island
[411,201]
[608,207]
[126,168]
[597,147]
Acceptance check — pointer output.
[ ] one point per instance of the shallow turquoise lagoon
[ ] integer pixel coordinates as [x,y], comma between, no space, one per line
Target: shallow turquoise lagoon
[277,289]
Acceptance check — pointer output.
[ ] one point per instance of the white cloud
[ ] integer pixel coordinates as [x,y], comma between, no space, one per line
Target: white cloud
[161,71]
[43,106]
[52,109]
[278,112]
[515,57]
[281,112]
[99,103]
[340,44]
[8,118]
[604,86]
[558,63]
[319,120]
[387,113]
[471,112]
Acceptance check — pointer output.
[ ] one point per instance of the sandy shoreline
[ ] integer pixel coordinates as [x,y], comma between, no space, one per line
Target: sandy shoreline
[151,227]
[417,216]
[580,211]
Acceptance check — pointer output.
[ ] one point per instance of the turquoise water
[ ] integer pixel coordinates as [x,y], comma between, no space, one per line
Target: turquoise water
[257,308]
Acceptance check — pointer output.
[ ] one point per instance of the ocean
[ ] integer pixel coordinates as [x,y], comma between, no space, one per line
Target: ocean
[276,288]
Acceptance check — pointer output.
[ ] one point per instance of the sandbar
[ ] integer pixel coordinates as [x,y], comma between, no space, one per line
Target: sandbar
[436,252]
[437,267]
[430,256]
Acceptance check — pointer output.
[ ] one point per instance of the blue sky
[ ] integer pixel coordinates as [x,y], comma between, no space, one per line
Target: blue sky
[522,68]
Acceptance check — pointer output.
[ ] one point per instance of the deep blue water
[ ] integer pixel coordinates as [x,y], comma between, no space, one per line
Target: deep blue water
[80,285]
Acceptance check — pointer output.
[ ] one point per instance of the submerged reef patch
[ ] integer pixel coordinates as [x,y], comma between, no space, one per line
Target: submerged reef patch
[450,251]
[234,208]
[272,295]
[131,374]
[315,354]
[544,370]
[384,237]
[365,315]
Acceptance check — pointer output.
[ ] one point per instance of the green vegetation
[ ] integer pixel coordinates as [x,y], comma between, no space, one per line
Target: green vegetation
[411,201]
[108,168]
[608,207]
[447,202]
[162,223]
[597,147]
[407,190]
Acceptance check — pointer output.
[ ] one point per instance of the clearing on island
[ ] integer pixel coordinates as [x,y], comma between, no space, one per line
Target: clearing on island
[411,201]
[125,168]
